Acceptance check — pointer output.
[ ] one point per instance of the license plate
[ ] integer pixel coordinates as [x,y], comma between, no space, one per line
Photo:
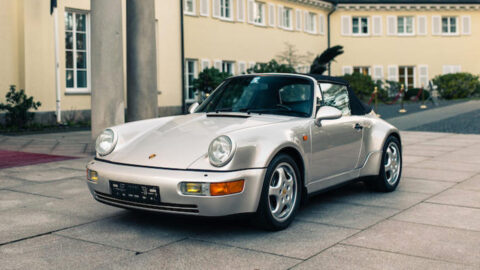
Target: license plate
[135,193]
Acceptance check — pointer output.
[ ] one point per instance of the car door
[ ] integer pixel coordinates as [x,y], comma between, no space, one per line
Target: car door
[336,143]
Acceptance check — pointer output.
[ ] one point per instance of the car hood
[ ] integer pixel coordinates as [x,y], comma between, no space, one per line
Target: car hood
[181,140]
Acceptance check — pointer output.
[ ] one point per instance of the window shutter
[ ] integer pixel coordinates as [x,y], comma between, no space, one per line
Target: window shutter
[436,25]
[346,28]
[298,20]
[423,75]
[251,64]
[204,63]
[377,25]
[241,10]
[321,24]
[271,15]
[280,16]
[391,25]
[216,8]
[242,67]
[306,20]
[347,70]
[217,64]
[393,73]
[204,9]
[250,8]
[456,69]
[233,68]
[378,73]
[446,69]
[466,25]
[422,25]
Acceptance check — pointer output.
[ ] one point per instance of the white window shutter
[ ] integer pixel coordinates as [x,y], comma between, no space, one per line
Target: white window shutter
[436,25]
[242,67]
[204,63]
[216,8]
[378,73]
[241,10]
[347,70]
[423,75]
[306,20]
[466,25]
[217,64]
[204,8]
[233,68]
[321,24]
[280,16]
[250,7]
[346,27]
[422,25]
[446,69]
[393,73]
[251,64]
[271,14]
[298,20]
[456,69]
[391,25]
[377,25]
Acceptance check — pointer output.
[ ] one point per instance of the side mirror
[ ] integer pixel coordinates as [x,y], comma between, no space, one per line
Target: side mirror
[327,113]
[193,107]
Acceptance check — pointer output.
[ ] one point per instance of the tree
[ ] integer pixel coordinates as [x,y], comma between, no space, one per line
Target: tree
[272,66]
[209,79]
[320,64]
[291,57]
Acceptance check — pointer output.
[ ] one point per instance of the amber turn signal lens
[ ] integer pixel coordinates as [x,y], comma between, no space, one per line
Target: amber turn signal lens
[218,189]
[92,175]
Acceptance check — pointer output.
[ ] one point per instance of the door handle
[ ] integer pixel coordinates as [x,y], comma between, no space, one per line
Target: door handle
[358,126]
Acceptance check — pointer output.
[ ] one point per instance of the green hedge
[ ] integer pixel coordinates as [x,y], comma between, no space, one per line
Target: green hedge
[362,85]
[457,85]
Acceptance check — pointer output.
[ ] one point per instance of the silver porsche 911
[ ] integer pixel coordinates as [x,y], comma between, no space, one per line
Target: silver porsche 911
[258,144]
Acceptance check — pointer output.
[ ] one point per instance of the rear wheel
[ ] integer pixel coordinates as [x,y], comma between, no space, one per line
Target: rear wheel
[281,194]
[390,168]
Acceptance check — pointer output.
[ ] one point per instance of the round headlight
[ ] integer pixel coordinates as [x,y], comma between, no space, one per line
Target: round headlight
[106,142]
[220,151]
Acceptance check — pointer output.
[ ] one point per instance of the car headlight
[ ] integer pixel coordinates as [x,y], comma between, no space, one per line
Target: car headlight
[106,142]
[220,151]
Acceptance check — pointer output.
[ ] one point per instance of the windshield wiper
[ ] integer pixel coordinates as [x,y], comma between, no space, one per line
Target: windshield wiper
[221,110]
[278,111]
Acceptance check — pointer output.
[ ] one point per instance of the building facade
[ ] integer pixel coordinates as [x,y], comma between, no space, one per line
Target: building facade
[406,41]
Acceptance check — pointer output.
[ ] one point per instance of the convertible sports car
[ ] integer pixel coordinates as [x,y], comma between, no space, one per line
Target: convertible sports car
[260,144]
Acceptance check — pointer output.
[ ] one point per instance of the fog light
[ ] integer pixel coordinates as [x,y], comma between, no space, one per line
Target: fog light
[92,175]
[194,188]
[218,189]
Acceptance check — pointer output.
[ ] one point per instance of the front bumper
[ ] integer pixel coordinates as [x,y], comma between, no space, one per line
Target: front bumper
[172,201]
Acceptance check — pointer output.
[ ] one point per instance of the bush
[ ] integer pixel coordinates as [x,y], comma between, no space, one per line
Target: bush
[17,106]
[412,94]
[272,66]
[209,79]
[457,85]
[362,85]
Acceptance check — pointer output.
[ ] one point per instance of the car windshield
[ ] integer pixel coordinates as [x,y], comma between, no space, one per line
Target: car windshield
[282,95]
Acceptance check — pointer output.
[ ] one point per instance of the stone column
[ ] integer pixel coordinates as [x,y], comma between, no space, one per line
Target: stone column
[141,60]
[108,105]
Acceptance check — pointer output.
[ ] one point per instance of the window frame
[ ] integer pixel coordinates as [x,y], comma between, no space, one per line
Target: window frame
[359,18]
[187,74]
[231,64]
[76,89]
[193,12]
[256,13]
[223,9]
[312,20]
[404,33]
[449,33]
[289,11]
[406,76]
[362,69]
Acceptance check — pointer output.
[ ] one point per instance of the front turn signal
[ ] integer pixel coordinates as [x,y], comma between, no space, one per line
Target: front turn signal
[226,188]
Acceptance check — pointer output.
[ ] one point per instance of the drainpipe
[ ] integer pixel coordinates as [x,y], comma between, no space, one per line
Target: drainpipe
[182,45]
[328,31]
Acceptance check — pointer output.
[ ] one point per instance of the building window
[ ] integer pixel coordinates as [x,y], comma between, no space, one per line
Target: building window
[189,7]
[360,25]
[259,13]
[190,75]
[310,22]
[405,25]
[226,9]
[287,18]
[228,67]
[406,76]
[449,25]
[362,70]
[77,66]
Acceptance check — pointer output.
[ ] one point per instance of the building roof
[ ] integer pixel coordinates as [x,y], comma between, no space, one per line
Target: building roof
[405,1]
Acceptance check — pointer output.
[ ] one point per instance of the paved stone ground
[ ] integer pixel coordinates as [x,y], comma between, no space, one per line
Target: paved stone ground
[463,123]
[48,220]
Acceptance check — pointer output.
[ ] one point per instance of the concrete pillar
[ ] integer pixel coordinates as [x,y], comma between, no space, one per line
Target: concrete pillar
[108,105]
[141,60]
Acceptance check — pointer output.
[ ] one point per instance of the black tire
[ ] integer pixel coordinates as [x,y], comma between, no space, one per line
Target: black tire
[381,181]
[264,217]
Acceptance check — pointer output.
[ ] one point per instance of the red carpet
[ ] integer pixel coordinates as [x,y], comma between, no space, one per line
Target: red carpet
[10,159]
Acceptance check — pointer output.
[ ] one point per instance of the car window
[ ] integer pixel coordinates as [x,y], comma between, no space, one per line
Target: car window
[336,95]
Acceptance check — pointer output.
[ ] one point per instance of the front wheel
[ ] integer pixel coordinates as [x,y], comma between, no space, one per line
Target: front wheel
[390,168]
[281,194]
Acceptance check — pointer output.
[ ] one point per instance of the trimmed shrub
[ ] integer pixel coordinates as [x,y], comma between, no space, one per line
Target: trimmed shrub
[209,79]
[272,66]
[17,106]
[457,85]
[362,85]
[412,94]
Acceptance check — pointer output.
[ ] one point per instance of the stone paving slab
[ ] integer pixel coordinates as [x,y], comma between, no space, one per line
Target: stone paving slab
[47,174]
[472,184]
[63,189]
[436,174]
[447,165]
[13,199]
[423,186]
[444,244]
[56,252]
[358,258]
[458,197]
